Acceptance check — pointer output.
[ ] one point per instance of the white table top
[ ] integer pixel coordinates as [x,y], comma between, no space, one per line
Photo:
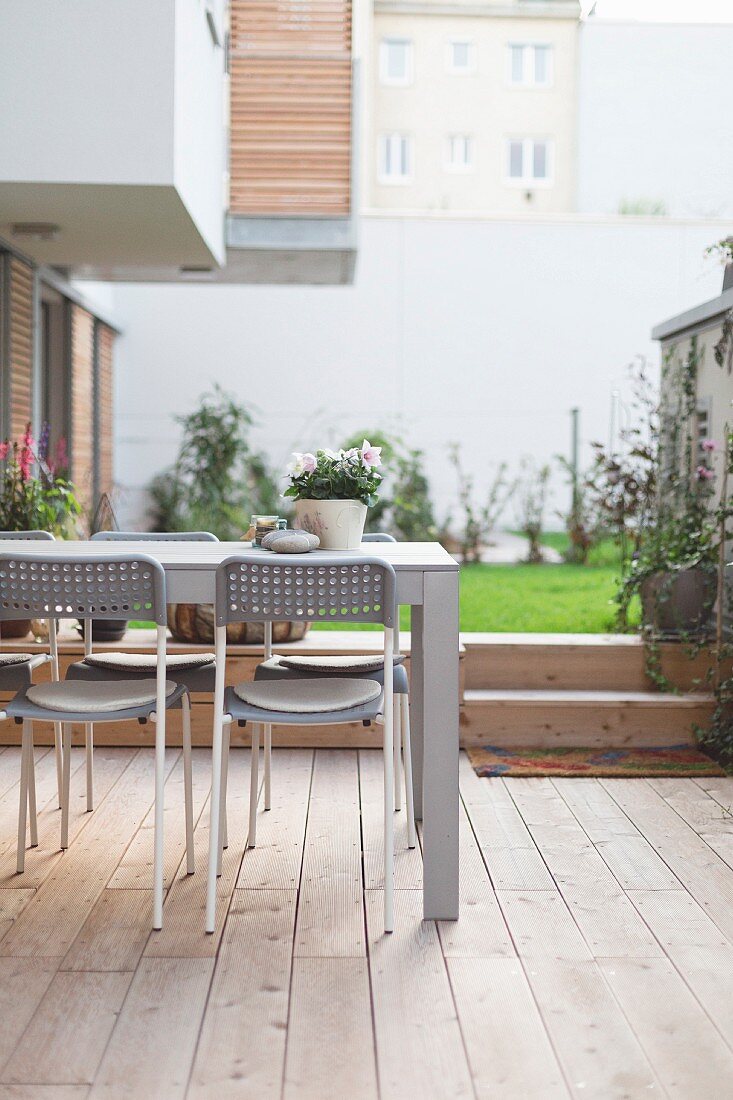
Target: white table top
[403,556]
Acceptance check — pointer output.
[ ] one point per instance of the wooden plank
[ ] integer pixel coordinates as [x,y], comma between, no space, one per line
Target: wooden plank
[330,998]
[575,1000]
[23,983]
[135,869]
[274,864]
[183,913]
[407,861]
[53,918]
[12,904]
[44,1092]
[508,850]
[704,814]
[696,946]
[66,1038]
[518,1061]
[330,907]
[610,924]
[417,1033]
[699,869]
[242,1046]
[114,934]
[481,932]
[152,1046]
[689,1056]
[109,766]
[628,854]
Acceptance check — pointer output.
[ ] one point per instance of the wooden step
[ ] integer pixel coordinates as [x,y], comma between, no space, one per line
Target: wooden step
[588,719]
[576,662]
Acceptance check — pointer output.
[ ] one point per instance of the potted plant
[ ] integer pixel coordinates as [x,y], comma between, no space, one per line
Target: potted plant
[332,491]
[34,495]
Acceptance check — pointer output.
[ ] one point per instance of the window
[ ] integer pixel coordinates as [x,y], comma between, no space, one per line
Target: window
[529,65]
[395,158]
[529,161]
[459,153]
[461,56]
[395,61]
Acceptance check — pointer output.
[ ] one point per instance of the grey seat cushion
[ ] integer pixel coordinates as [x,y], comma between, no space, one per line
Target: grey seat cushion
[147,662]
[308,696]
[102,696]
[369,663]
[14,659]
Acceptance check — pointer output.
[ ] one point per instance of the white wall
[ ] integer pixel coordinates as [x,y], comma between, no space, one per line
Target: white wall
[654,116]
[482,331]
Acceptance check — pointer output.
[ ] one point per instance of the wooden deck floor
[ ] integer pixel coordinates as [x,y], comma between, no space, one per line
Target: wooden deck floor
[593,957]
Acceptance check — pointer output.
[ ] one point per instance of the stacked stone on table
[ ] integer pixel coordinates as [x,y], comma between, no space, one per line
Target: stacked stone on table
[290,542]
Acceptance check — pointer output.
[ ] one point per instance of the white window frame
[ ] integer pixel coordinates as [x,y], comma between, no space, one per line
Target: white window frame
[384,77]
[528,62]
[528,143]
[453,166]
[455,70]
[393,180]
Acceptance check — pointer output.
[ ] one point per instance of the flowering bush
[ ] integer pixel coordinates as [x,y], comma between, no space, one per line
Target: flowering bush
[32,494]
[337,475]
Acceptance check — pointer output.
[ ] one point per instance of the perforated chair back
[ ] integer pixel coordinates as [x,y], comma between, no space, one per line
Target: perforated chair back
[378,536]
[349,588]
[89,586]
[154,536]
[38,536]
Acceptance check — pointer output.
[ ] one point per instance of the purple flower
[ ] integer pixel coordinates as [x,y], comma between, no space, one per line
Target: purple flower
[371,456]
[704,474]
[308,462]
[43,441]
[709,445]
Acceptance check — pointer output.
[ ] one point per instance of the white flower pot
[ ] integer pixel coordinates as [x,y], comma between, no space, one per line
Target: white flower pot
[339,524]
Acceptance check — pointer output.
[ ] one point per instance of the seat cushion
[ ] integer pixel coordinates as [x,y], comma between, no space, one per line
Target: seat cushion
[147,662]
[100,697]
[368,663]
[14,659]
[308,696]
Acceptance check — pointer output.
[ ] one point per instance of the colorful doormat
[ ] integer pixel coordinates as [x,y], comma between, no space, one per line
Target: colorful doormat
[675,760]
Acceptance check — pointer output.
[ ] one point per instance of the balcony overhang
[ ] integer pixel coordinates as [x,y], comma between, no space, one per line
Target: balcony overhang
[102,227]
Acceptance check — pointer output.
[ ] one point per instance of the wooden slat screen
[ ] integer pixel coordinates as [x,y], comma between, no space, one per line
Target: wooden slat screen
[104,409]
[20,345]
[81,443]
[290,137]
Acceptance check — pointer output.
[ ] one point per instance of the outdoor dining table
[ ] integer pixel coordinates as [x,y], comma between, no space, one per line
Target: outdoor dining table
[427,580]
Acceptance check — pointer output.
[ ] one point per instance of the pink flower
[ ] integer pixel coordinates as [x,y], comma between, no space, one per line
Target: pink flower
[704,474]
[4,448]
[371,456]
[25,462]
[308,462]
[709,445]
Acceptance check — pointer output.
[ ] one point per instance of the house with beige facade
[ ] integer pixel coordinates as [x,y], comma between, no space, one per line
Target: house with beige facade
[473,105]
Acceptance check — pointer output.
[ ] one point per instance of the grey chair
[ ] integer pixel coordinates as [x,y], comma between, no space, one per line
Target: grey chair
[93,586]
[16,669]
[347,587]
[194,670]
[275,667]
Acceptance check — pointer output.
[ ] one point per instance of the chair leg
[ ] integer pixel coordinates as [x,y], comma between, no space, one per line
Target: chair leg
[57,736]
[188,781]
[32,789]
[268,764]
[89,741]
[389,819]
[397,739]
[223,823]
[253,785]
[65,796]
[23,808]
[407,750]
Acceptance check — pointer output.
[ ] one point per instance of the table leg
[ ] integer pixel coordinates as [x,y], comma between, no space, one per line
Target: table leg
[417,682]
[439,700]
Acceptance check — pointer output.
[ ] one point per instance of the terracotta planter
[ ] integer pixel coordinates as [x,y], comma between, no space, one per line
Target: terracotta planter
[339,524]
[15,628]
[194,623]
[678,603]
